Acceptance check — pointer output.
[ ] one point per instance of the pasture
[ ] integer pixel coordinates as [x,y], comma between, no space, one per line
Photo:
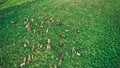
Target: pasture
[60,34]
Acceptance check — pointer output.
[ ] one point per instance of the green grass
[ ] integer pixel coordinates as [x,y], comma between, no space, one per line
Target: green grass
[9,3]
[98,40]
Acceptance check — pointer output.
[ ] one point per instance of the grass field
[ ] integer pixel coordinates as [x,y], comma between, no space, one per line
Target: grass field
[91,27]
